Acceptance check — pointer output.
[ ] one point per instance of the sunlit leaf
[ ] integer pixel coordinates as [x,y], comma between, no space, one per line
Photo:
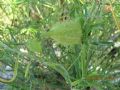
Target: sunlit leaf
[34,45]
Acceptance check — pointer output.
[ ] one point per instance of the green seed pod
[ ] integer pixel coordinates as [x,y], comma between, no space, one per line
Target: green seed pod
[66,33]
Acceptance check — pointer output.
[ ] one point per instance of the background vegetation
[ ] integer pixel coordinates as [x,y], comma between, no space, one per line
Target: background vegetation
[61,44]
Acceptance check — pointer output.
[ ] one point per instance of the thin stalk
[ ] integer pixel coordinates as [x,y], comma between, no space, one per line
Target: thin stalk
[15,74]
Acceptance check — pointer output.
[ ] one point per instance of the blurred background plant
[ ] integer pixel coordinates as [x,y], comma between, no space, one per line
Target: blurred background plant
[60,44]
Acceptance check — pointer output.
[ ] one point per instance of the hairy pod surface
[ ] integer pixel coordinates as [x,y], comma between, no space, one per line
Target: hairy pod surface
[66,33]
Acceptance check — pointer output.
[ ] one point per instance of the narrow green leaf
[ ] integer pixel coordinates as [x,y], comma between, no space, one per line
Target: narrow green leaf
[27,70]
[60,69]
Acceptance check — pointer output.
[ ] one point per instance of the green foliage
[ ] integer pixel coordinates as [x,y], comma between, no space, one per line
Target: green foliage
[60,44]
